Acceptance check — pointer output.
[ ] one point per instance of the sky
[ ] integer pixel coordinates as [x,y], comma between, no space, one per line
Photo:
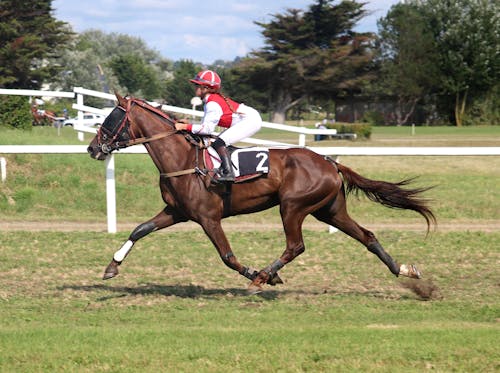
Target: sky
[202,31]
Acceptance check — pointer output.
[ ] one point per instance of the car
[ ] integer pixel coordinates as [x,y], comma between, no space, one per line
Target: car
[89,120]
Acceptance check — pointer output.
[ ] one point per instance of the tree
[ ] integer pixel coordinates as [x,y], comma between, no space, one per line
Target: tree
[467,38]
[179,91]
[309,54]
[15,112]
[98,61]
[30,36]
[135,75]
[408,59]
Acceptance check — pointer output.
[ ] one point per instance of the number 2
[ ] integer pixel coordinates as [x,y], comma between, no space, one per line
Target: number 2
[260,167]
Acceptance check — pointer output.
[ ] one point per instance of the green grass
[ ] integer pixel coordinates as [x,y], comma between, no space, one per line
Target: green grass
[71,187]
[433,131]
[41,136]
[176,307]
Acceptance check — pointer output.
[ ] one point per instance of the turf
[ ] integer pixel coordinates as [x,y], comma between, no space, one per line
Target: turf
[175,307]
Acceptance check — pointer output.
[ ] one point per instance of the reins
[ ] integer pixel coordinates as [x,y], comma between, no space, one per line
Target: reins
[145,139]
[161,135]
[195,170]
[142,140]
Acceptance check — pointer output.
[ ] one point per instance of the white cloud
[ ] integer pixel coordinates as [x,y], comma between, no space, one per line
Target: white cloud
[202,31]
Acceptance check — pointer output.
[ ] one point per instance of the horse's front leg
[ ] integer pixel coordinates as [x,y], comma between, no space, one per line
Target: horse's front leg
[164,219]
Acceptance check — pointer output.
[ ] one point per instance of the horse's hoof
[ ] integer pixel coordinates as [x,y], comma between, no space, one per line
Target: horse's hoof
[254,289]
[111,270]
[276,279]
[109,275]
[410,271]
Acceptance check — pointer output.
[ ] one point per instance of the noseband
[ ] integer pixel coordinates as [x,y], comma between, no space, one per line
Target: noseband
[119,136]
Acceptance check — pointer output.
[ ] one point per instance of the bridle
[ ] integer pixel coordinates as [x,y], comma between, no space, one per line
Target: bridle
[119,136]
[115,134]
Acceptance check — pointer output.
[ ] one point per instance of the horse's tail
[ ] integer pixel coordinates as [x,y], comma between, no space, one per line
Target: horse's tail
[389,194]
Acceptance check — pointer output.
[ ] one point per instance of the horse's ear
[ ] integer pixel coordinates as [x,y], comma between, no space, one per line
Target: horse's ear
[119,98]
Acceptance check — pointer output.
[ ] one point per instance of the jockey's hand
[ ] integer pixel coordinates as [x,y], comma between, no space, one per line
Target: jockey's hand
[183,120]
[179,126]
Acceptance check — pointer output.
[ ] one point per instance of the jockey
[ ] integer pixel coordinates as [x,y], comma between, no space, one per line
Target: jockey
[240,121]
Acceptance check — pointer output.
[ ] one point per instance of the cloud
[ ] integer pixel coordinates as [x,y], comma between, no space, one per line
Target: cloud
[202,31]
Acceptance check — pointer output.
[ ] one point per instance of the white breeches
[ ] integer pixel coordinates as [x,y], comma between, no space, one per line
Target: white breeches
[248,124]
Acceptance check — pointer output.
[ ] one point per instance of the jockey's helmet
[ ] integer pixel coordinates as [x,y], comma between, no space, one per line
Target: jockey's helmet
[207,78]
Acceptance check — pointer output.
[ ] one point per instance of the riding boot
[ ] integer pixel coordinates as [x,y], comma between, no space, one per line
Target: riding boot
[226,173]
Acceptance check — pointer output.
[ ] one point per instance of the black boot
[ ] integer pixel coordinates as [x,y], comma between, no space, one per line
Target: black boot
[226,173]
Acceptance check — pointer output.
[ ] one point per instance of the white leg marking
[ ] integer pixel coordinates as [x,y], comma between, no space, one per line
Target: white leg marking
[124,250]
[410,271]
[403,270]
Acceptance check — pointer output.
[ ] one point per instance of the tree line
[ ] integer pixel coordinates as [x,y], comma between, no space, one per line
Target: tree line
[431,61]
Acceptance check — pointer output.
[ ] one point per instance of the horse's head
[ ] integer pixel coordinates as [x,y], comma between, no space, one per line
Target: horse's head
[122,128]
[113,132]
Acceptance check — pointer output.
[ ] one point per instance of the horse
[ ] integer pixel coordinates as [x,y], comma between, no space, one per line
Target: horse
[299,180]
[42,117]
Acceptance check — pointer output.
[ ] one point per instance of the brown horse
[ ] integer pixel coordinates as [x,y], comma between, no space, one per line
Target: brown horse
[42,117]
[300,181]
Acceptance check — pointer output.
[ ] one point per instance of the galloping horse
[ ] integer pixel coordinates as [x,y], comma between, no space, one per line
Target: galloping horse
[300,181]
[42,117]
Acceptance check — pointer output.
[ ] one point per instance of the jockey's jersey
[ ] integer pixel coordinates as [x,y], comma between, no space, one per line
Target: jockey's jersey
[226,119]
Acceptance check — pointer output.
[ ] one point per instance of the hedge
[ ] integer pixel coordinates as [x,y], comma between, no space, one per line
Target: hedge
[15,112]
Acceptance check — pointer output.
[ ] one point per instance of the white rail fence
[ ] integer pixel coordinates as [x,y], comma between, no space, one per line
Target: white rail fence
[79,93]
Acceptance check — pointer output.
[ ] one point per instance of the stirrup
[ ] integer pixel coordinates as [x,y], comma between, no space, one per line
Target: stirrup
[225,176]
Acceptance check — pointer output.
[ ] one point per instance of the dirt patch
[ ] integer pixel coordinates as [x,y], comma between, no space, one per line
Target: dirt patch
[72,226]
[424,289]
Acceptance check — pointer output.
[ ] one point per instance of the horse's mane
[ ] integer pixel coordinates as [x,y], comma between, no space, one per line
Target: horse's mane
[154,109]
[191,138]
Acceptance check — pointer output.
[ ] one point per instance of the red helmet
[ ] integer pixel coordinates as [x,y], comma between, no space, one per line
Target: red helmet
[207,78]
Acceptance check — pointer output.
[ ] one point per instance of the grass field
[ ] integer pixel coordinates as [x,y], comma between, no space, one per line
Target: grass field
[71,187]
[176,308]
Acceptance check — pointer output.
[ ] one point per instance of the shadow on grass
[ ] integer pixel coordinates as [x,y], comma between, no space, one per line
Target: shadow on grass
[200,292]
[181,291]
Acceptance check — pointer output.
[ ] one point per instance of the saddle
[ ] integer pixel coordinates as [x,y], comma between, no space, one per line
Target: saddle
[248,163]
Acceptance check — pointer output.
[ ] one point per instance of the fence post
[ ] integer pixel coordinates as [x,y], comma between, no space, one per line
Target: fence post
[302,139]
[79,101]
[3,167]
[111,193]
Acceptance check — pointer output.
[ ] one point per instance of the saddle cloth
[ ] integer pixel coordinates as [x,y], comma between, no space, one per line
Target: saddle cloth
[247,163]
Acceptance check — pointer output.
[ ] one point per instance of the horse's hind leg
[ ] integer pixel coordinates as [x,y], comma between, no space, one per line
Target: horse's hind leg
[214,231]
[164,219]
[292,218]
[336,215]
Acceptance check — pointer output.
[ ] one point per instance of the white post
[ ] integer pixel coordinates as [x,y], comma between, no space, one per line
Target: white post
[302,139]
[111,193]
[79,101]
[3,167]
